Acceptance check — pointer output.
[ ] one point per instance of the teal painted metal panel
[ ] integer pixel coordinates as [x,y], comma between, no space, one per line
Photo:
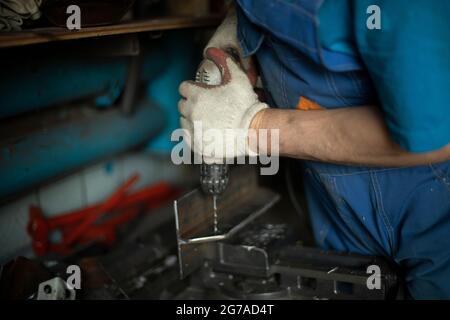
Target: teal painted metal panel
[41,155]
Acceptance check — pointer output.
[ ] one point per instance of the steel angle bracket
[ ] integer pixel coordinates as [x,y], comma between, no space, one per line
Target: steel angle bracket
[199,229]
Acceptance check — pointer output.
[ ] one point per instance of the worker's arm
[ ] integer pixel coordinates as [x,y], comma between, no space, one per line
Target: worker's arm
[356,135]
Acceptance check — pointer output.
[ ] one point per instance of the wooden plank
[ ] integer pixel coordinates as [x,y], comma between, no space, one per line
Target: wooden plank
[42,35]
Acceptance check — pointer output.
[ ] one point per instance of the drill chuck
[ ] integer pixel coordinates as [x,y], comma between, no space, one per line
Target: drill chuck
[213,178]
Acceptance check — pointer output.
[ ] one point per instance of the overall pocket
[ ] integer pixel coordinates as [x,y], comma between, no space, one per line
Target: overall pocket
[358,207]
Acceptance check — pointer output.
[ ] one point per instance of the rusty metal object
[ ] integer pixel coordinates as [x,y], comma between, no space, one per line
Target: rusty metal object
[197,226]
[20,278]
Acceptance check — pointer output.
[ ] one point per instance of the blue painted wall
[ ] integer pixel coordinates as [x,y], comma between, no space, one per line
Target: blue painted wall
[184,58]
[53,151]
[44,154]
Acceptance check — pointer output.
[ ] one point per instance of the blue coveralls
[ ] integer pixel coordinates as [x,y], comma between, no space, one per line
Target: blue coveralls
[400,213]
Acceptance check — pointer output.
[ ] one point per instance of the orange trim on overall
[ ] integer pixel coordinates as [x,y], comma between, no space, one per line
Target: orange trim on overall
[306,104]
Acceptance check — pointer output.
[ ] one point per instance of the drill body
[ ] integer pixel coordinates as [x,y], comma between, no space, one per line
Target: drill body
[213,177]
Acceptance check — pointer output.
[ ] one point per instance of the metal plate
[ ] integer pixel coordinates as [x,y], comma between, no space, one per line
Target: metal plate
[242,202]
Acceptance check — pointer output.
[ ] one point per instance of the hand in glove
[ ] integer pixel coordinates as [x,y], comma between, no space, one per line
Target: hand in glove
[225,38]
[228,108]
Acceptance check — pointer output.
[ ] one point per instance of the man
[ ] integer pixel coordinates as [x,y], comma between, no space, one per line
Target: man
[367,111]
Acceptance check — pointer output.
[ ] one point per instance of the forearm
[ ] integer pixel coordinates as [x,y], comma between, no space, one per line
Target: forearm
[354,136]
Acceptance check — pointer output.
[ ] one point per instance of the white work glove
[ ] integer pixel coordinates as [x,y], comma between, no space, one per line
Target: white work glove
[228,108]
[225,38]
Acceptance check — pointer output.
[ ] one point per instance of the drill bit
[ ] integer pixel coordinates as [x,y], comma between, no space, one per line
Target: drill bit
[216,229]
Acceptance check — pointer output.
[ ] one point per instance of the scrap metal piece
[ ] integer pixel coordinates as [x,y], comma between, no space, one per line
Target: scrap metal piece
[197,227]
[20,277]
[252,261]
[55,289]
[310,272]
[266,234]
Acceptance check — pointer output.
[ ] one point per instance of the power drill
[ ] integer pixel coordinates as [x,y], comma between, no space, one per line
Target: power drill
[213,177]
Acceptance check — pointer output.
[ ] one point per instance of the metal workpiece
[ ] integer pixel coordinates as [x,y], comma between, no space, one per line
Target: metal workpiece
[311,272]
[295,272]
[252,261]
[265,261]
[199,223]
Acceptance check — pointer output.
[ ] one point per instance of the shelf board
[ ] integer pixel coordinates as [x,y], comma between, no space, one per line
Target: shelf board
[42,35]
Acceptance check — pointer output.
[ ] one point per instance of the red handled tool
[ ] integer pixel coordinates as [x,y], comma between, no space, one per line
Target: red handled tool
[98,222]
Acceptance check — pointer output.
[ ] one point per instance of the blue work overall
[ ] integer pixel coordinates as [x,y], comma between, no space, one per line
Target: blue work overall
[402,214]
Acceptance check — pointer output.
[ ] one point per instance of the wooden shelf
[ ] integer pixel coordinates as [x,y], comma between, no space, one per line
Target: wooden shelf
[42,35]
